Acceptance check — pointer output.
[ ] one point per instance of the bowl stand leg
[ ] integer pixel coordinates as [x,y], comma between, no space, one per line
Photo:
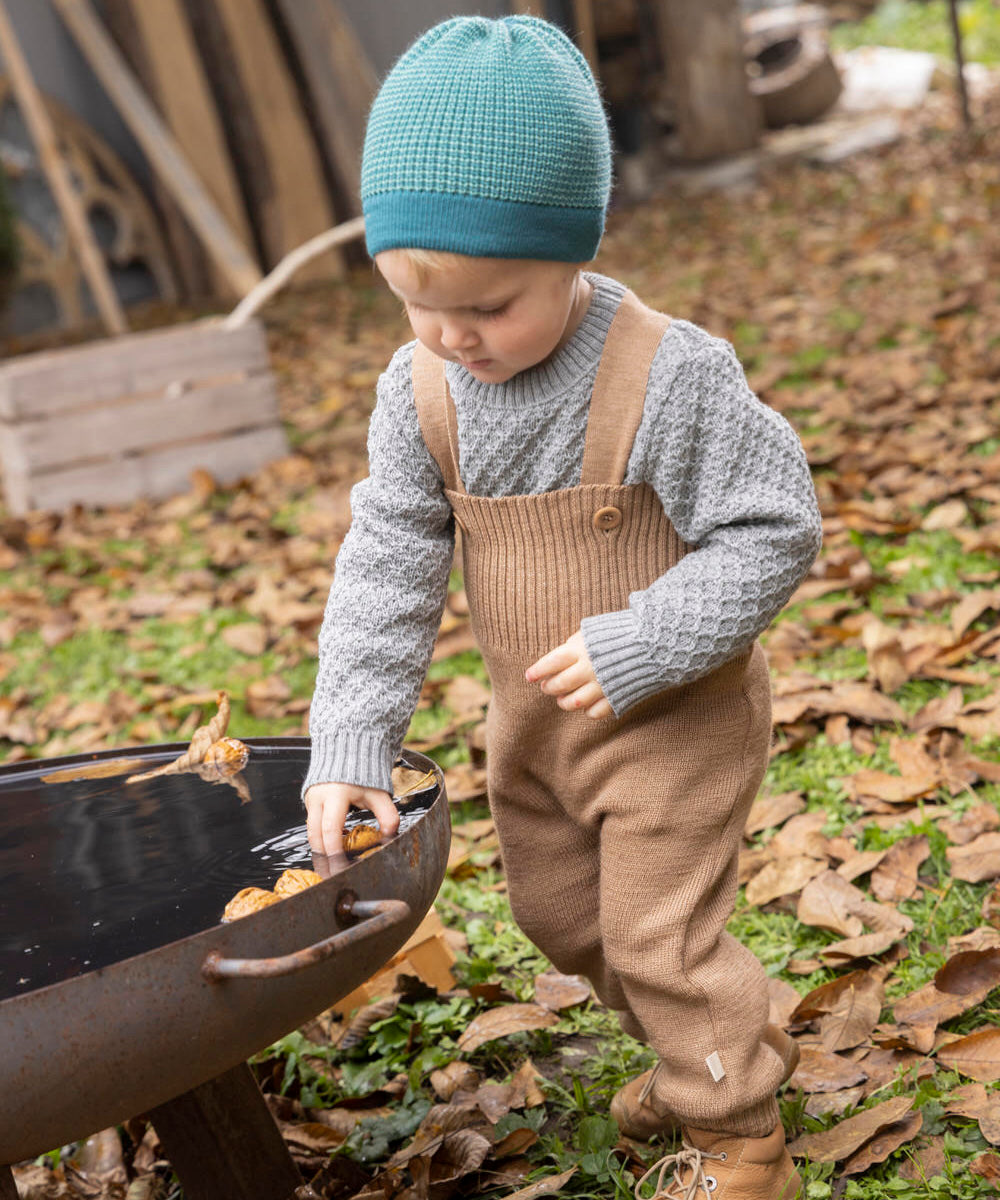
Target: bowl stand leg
[223,1142]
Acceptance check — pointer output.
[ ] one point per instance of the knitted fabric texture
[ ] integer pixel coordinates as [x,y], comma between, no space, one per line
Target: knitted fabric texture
[488,138]
[730,473]
[573,798]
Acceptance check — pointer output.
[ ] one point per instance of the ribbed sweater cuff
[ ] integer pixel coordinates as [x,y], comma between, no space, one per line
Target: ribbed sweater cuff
[621,662]
[351,756]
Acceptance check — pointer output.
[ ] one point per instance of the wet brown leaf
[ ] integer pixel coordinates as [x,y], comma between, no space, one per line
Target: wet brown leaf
[840,1142]
[295,880]
[502,1022]
[361,837]
[247,901]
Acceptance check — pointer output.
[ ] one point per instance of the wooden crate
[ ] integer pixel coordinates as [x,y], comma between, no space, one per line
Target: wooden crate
[114,420]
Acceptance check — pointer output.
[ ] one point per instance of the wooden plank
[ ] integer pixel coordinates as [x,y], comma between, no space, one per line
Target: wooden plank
[342,85]
[586,33]
[291,201]
[38,385]
[156,475]
[142,425]
[156,37]
[222,1141]
[148,128]
[57,173]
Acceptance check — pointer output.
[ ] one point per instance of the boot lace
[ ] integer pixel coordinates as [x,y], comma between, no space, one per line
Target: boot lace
[690,1157]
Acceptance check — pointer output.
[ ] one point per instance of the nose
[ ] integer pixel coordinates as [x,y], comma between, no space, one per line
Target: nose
[457,335]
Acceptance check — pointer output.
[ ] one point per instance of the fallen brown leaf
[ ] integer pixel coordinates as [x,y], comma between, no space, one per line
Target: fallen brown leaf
[977,861]
[782,877]
[884,1143]
[895,878]
[819,1071]
[770,810]
[556,991]
[550,1186]
[973,1100]
[502,1022]
[976,1055]
[840,1142]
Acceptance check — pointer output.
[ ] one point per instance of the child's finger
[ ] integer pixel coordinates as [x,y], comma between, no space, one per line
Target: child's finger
[582,697]
[569,680]
[381,805]
[601,709]
[556,660]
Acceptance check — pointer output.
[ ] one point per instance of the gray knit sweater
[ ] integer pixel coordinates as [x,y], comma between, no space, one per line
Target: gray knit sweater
[730,472]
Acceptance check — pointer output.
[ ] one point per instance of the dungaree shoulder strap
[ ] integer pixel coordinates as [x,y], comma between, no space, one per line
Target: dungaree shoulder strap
[620,390]
[436,414]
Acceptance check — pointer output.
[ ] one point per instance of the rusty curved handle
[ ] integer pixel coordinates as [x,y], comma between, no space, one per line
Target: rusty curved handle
[374,917]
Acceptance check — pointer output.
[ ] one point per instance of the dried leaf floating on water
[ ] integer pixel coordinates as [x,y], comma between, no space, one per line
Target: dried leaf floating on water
[249,900]
[293,881]
[209,748]
[361,837]
[228,756]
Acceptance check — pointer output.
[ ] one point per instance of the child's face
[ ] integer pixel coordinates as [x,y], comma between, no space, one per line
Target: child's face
[495,316]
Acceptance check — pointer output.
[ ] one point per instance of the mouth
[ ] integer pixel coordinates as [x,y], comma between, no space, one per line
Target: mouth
[477,364]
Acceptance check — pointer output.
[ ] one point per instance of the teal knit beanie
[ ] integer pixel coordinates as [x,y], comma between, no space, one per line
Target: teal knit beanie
[488,138]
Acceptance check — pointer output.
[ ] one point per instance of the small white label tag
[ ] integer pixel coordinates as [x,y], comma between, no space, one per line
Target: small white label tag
[714,1064]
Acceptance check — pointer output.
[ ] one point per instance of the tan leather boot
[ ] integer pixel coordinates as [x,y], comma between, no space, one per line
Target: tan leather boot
[725,1166]
[639,1116]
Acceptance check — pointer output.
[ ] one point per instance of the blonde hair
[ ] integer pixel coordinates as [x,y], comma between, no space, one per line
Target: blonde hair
[425,262]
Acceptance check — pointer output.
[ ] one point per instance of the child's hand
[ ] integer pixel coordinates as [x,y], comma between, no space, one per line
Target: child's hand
[567,672]
[326,809]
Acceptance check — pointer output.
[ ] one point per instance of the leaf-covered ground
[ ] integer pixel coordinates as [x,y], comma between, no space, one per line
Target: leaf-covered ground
[865,303]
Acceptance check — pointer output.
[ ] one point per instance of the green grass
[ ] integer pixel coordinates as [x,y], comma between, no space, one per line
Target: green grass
[925,26]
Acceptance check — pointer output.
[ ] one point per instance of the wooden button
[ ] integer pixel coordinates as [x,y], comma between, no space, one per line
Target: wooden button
[606,519]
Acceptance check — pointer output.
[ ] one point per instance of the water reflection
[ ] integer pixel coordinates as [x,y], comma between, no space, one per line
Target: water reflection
[93,870]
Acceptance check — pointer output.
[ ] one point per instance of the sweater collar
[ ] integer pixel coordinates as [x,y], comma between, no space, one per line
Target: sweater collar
[556,374]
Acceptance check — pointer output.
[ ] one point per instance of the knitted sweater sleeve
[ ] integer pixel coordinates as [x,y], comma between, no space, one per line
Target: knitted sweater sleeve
[732,476]
[388,593]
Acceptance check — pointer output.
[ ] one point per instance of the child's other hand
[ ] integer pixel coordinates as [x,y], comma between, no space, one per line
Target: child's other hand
[326,811]
[567,673]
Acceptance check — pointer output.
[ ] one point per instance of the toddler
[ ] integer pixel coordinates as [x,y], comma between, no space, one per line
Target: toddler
[632,518]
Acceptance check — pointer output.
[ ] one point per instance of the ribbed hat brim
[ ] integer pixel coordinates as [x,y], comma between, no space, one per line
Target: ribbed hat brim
[481,227]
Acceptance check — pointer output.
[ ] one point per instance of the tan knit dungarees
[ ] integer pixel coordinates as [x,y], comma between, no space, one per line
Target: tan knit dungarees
[619,837]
